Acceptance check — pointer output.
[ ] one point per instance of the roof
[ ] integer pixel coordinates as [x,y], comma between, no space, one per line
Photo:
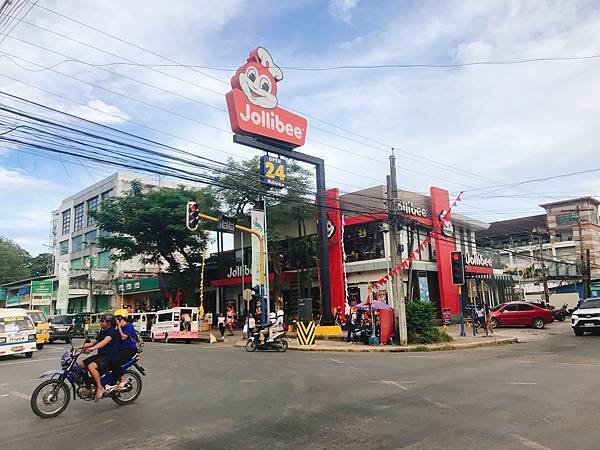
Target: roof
[27,280]
[571,201]
[513,226]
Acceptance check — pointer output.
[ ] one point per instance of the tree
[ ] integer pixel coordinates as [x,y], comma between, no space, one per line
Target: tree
[38,265]
[13,261]
[151,225]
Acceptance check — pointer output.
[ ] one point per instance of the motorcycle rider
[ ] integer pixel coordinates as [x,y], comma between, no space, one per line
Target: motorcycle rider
[277,327]
[266,330]
[107,344]
[127,346]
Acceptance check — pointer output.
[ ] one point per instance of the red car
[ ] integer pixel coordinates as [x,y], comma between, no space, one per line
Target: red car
[521,313]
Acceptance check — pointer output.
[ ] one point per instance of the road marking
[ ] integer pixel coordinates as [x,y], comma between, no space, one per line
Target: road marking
[336,361]
[28,361]
[4,395]
[354,367]
[521,383]
[20,395]
[524,361]
[439,404]
[579,364]
[529,443]
[171,350]
[394,383]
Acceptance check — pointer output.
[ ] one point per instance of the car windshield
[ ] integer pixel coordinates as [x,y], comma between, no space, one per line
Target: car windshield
[589,304]
[61,320]
[37,316]
[15,324]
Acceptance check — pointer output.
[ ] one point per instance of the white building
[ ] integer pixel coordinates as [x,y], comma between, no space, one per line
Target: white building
[87,277]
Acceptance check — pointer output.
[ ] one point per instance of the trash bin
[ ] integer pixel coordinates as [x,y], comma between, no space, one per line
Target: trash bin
[386,318]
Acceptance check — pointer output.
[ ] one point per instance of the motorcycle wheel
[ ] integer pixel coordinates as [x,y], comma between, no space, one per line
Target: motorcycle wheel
[283,346]
[132,390]
[250,346]
[39,399]
[561,318]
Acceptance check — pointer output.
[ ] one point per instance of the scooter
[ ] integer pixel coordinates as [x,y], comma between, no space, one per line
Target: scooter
[562,313]
[52,396]
[278,343]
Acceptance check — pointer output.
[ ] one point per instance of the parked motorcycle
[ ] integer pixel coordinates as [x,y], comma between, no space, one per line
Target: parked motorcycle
[562,313]
[52,396]
[279,342]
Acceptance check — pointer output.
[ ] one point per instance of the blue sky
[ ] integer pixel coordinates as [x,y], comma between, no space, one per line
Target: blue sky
[500,124]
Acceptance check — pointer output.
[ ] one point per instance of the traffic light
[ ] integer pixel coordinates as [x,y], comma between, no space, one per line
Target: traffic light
[191,218]
[458,268]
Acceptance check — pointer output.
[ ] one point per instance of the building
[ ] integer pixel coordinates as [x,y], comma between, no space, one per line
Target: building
[551,244]
[360,254]
[31,293]
[87,277]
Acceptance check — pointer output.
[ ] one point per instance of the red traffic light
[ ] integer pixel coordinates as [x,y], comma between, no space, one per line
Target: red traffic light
[193,207]
[455,256]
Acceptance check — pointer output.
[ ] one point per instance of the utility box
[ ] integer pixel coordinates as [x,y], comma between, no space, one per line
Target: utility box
[305,313]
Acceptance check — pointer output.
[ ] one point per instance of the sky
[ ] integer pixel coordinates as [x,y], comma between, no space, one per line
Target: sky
[471,128]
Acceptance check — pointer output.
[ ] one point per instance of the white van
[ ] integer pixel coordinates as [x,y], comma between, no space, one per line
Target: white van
[17,332]
[142,322]
[176,324]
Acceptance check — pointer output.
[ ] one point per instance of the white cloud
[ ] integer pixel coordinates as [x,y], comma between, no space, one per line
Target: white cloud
[98,111]
[342,9]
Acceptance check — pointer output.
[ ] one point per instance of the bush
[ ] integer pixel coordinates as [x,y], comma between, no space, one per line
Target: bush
[419,324]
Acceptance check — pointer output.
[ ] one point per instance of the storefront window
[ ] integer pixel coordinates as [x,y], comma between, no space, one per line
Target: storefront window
[364,241]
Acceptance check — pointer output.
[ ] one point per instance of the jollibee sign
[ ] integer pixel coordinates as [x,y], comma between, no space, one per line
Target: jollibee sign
[253,106]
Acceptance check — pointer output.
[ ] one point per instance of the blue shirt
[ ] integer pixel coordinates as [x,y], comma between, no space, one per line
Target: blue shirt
[113,346]
[129,343]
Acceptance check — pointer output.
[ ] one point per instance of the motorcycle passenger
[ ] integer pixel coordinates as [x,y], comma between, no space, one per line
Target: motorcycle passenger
[127,346]
[266,330]
[277,326]
[107,344]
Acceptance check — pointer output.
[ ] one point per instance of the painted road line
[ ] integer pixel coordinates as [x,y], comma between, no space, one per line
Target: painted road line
[578,364]
[529,443]
[440,405]
[517,383]
[394,383]
[336,361]
[20,395]
[25,362]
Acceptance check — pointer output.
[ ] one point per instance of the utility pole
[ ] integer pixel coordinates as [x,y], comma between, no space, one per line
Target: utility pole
[587,286]
[397,281]
[584,260]
[539,232]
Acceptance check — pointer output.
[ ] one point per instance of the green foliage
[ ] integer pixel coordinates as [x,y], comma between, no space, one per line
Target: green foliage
[151,225]
[419,323]
[38,265]
[14,261]
[245,190]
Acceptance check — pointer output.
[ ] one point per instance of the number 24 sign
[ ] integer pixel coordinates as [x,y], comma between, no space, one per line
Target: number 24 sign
[273,171]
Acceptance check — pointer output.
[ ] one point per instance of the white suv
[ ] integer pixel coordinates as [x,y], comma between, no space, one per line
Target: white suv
[586,317]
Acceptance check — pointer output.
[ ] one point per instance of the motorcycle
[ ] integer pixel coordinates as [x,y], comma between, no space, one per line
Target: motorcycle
[278,343]
[51,397]
[562,313]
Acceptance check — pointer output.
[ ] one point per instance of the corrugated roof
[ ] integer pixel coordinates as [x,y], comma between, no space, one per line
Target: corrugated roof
[513,226]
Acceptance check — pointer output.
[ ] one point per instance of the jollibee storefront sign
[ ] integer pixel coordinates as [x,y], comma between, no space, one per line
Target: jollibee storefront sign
[253,106]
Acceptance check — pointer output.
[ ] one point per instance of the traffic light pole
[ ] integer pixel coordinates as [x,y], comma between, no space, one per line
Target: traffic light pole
[261,275]
[278,149]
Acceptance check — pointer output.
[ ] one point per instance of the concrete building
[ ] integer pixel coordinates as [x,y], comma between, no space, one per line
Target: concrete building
[559,238]
[31,293]
[87,277]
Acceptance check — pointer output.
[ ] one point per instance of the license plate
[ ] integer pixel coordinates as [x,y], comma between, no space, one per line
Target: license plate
[589,325]
[17,348]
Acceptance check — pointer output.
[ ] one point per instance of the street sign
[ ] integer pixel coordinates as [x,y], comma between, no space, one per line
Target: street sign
[273,171]
[41,288]
[226,224]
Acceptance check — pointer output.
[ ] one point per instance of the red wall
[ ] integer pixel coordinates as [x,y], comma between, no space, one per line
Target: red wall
[336,263]
[443,246]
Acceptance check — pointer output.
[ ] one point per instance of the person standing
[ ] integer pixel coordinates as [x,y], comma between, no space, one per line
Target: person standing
[221,325]
[480,317]
[230,321]
[251,325]
[488,319]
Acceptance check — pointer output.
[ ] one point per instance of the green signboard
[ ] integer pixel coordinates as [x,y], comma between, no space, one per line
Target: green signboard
[42,288]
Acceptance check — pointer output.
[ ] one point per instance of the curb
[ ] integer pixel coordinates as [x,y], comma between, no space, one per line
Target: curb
[446,346]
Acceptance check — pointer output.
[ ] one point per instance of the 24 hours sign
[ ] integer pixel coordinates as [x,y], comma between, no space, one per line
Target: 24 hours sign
[273,171]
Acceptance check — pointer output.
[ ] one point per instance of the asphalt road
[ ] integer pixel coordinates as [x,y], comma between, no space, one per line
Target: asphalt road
[539,395]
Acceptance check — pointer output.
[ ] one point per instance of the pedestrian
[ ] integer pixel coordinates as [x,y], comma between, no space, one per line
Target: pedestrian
[480,317]
[251,325]
[221,325]
[488,319]
[230,321]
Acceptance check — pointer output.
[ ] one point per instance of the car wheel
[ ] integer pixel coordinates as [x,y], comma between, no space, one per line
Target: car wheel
[28,354]
[495,322]
[578,331]
[538,323]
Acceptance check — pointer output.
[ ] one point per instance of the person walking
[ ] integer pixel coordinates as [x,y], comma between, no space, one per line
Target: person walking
[488,319]
[230,321]
[221,325]
[480,317]
[251,325]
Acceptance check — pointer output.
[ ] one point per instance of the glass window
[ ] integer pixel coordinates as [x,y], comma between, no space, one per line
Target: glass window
[76,243]
[91,236]
[78,222]
[76,264]
[165,317]
[92,204]
[104,259]
[524,307]
[105,195]
[511,308]
[64,247]
[66,221]
[364,241]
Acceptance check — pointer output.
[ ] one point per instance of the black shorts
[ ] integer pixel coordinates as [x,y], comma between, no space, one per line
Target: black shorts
[102,361]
